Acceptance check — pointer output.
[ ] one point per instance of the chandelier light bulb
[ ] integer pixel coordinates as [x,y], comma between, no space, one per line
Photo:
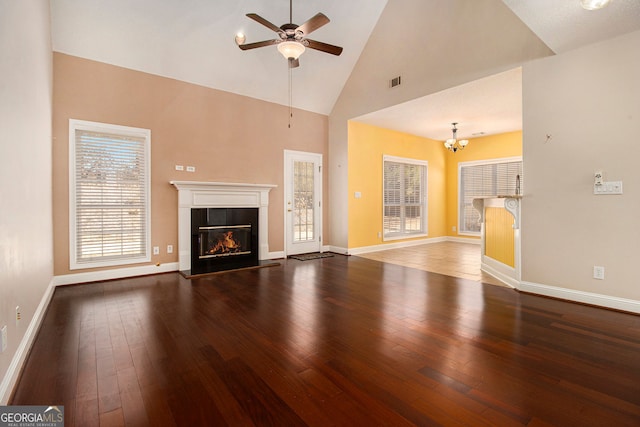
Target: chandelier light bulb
[453,144]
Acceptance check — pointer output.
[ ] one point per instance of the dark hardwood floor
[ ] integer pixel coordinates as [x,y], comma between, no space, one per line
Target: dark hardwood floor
[335,341]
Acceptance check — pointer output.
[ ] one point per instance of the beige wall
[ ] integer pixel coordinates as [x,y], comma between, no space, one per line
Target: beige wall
[588,100]
[227,137]
[458,41]
[26,261]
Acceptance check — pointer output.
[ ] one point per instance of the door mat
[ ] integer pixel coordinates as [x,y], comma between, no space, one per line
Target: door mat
[307,257]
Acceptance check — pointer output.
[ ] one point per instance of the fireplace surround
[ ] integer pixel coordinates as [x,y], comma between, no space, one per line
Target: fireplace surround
[223,239]
[193,195]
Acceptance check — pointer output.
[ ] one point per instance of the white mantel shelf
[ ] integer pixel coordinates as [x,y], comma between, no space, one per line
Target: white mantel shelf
[199,194]
[208,186]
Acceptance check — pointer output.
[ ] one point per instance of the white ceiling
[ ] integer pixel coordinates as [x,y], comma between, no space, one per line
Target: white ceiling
[564,25]
[193,41]
[489,106]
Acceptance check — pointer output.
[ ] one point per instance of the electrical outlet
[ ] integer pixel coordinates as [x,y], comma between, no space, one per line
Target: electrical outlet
[4,339]
[379,234]
[18,315]
[191,168]
[169,249]
[156,250]
[453,228]
[179,167]
[598,272]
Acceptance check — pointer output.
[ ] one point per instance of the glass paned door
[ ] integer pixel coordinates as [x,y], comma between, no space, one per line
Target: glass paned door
[303,205]
[303,198]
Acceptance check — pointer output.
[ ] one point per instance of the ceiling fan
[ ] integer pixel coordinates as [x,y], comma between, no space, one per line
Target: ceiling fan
[293,39]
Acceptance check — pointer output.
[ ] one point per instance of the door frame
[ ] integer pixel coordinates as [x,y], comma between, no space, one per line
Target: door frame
[289,157]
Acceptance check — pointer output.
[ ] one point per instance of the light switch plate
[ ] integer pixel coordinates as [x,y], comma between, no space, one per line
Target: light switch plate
[608,188]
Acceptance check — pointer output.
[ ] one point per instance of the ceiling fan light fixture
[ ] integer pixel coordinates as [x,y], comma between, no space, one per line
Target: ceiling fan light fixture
[291,49]
[593,4]
[240,38]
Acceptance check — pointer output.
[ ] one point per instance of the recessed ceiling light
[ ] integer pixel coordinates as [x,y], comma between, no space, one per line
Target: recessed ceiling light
[593,4]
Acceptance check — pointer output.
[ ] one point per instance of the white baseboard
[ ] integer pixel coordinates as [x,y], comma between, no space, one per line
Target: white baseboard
[118,273]
[15,367]
[276,255]
[616,303]
[337,250]
[472,240]
[500,271]
[406,244]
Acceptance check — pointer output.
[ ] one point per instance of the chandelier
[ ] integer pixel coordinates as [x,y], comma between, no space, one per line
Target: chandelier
[454,144]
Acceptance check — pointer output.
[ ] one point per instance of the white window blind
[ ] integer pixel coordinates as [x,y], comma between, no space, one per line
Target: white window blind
[109,194]
[405,197]
[485,179]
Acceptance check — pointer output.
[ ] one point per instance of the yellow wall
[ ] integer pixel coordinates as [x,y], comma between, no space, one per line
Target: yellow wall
[489,147]
[500,238]
[367,145]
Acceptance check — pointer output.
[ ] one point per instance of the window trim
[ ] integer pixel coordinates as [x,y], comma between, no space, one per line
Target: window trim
[477,163]
[425,194]
[74,125]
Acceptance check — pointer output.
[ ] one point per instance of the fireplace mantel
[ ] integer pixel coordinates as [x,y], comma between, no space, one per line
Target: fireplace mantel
[197,194]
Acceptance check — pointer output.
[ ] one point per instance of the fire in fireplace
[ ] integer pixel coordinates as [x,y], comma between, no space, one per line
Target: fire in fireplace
[217,241]
[223,239]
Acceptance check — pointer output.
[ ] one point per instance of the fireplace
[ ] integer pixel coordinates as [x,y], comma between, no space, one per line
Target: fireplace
[221,210]
[223,239]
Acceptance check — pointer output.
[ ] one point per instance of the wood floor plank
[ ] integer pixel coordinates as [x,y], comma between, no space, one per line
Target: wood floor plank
[338,341]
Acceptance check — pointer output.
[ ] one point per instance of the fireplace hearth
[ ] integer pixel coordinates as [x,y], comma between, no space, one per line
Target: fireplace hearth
[223,239]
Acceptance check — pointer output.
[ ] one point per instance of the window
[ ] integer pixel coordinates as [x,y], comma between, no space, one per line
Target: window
[109,194]
[405,198]
[481,179]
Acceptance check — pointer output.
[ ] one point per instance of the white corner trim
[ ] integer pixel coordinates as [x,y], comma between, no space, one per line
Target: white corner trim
[616,303]
[118,273]
[15,367]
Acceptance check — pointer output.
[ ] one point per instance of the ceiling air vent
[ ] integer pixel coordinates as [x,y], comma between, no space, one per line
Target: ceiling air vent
[395,81]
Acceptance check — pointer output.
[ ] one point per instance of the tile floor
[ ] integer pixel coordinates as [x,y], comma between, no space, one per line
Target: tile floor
[451,258]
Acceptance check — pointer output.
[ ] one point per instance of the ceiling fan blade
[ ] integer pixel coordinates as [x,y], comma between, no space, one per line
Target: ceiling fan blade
[324,47]
[313,24]
[258,44]
[263,21]
[294,63]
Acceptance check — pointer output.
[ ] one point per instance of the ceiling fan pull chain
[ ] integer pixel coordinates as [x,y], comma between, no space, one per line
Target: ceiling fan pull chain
[290,96]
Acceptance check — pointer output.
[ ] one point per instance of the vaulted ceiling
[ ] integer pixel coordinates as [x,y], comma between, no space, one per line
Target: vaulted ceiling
[193,41]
